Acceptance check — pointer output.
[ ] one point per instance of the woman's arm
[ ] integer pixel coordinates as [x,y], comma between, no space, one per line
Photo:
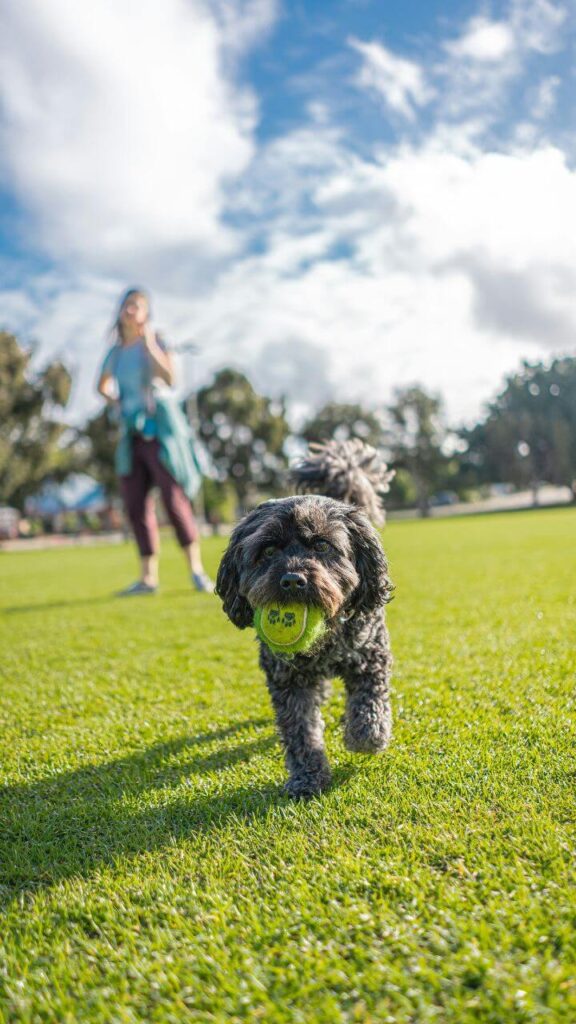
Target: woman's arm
[162,364]
[105,387]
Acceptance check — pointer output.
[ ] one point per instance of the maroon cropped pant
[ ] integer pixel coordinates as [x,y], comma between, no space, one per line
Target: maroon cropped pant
[148,472]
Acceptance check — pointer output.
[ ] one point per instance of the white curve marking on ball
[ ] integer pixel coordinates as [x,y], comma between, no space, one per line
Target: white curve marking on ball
[288,643]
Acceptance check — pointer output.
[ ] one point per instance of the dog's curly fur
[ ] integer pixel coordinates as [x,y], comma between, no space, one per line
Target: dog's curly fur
[333,552]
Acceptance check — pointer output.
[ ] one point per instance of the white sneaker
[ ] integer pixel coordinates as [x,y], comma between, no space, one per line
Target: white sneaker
[136,589]
[202,582]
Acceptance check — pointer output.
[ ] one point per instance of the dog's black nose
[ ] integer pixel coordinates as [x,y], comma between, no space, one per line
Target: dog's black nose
[293,581]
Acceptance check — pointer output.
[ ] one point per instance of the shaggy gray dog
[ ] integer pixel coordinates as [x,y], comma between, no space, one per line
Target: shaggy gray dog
[316,551]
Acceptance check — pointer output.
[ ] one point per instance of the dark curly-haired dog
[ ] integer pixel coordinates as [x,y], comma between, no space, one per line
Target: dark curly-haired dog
[314,550]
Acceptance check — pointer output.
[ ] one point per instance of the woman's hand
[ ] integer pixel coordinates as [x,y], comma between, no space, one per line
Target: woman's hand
[161,360]
[150,339]
[105,387]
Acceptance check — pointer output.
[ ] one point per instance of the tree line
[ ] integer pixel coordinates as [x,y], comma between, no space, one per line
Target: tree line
[527,436]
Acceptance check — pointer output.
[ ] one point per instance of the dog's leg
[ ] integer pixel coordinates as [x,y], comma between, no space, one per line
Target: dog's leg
[301,729]
[325,689]
[368,716]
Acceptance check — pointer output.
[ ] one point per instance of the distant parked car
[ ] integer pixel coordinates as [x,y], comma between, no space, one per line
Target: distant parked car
[444,498]
[497,490]
[9,522]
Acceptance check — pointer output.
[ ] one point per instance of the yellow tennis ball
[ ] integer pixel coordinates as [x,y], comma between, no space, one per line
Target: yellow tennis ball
[289,628]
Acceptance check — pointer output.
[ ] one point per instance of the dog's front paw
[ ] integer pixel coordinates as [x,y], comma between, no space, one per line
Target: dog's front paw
[305,786]
[367,736]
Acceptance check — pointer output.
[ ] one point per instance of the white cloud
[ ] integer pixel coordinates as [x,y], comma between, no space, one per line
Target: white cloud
[17,307]
[517,208]
[433,243]
[454,266]
[244,22]
[538,24]
[119,128]
[443,261]
[422,264]
[400,83]
[532,25]
[545,97]
[488,57]
[471,82]
[483,40]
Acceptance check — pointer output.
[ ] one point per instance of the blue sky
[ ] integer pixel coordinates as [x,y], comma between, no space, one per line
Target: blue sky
[340,198]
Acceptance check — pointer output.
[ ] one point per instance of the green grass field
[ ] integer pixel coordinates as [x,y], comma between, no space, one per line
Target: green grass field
[151,869]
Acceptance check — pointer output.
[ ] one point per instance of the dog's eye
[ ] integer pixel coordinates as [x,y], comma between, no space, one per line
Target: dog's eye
[269,550]
[322,546]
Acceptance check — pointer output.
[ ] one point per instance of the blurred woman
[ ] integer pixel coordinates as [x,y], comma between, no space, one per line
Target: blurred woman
[155,447]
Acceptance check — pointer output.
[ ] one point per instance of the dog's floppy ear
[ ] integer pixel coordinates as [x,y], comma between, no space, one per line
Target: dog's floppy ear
[236,607]
[375,587]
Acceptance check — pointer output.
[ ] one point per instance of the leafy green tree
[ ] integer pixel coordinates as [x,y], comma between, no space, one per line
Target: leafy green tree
[219,501]
[95,449]
[34,444]
[342,422]
[529,433]
[416,438]
[244,433]
[402,493]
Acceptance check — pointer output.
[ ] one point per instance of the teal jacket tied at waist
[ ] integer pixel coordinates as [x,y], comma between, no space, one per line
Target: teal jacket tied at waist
[177,447]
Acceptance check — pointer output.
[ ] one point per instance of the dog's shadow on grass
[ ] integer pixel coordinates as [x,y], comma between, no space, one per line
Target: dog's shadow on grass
[47,606]
[111,598]
[71,824]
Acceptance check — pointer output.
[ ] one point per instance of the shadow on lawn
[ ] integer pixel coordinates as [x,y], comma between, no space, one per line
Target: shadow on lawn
[75,822]
[21,609]
[113,597]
